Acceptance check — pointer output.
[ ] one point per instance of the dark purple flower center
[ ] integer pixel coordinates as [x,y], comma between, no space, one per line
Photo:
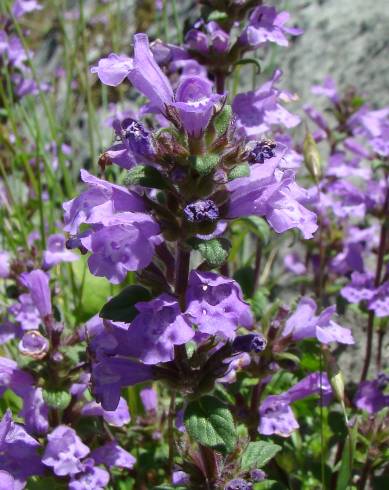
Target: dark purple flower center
[262,151]
[250,343]
[200,211]
[238,484]
[137,137]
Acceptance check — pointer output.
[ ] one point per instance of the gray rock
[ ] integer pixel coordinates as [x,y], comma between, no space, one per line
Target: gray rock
[347,39]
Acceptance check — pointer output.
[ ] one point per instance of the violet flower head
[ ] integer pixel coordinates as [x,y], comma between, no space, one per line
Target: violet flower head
[64,451]
[195,103]
[157,328]
[263,150]
[201,211]
[267,25]
[304,324]
[34,344]
[113,456]
[117,418]
[91,476]
[370,394]
[257,111]
[110,375]
[149,399]
[180,478]
[273,194]
[276,416]
[22,7]
[139,140]
[37,283]
[114,69]
[101,200]
[18,453]
[26,313]
[249,343]
[215,304]
[125,242]
[238,484]
[56,252]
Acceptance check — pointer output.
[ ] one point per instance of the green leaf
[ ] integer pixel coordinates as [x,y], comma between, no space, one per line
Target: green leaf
[58,399]
[121,308]
[215,251]
[91,290]
[222,120]
[258,226]
[210,423]
[242,170]
[206,163]
[245,277]
[269,485]
[146,176]
[250,61]
[258,454]
[346,465]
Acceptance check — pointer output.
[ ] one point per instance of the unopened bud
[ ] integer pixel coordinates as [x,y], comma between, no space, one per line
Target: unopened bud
[312,157]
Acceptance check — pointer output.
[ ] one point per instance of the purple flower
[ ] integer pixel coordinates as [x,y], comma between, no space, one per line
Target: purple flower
[266,25]
[328,89]
[114,69]
[293,263]
[215,304]
[304,324]
[90,477]
[276,415]
[263,150]
[238,484]
[11,377]
[194,100]
[257,475]
[157,328]
[200,211]
[111,374]
[249,343]
[273,194]
[147,77]
[7,481]
[118,417]
[34,344]
[360,288]
[5,260]
[195,104]
[236,363]
[18,453]
[379,303]
[101,200]
[215,41]
[149,399]
[21,7]
[314,383]
[64,451]
[113,456]
[26,313]
[125,242]
[56,252]
[37,282]
[180,478]
[35,411]
[258,111]
[370,396]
